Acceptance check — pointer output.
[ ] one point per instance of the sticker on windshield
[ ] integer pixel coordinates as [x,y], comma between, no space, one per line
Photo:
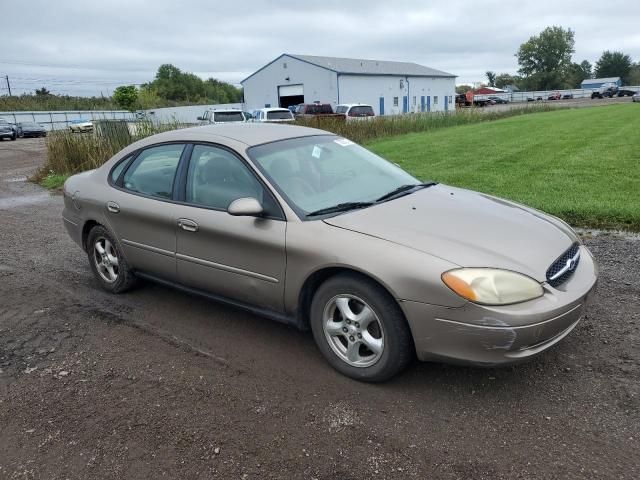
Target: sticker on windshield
[343,142]
[316,151]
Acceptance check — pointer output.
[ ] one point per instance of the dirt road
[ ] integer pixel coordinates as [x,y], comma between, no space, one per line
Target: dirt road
[160,384]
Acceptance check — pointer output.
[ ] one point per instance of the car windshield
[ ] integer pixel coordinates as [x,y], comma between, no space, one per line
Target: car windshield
[29,124]
[279,115]
[228,117]
[317,172]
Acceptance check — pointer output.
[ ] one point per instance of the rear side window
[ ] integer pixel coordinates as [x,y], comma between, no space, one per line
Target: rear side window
[115,173]
[153,171]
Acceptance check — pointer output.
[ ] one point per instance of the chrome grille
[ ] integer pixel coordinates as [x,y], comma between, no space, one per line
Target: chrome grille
[560,270]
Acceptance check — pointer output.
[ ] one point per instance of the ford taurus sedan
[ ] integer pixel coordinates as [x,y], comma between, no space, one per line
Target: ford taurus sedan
[313,230]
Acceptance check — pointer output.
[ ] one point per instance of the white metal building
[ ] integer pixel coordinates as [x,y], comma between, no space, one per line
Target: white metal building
[389,87]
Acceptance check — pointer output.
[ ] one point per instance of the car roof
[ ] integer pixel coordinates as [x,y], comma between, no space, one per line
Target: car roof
[353,105]
[249,134]
[273,109]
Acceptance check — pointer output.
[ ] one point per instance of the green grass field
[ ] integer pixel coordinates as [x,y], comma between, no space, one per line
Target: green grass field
[582,165]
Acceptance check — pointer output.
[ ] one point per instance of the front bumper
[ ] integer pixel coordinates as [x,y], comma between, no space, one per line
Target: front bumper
[487,335]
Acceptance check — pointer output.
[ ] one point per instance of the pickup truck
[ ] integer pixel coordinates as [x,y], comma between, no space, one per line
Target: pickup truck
[323,110]
[605,90]
[462,100]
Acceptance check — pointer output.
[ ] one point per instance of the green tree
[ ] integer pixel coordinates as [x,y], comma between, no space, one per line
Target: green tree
[634,75]
[463,88]
[174,85]
[148,98]
[504,79]
[42,92]
[126,96]
[545,59]
[614,64]
[491,78]
[577,73]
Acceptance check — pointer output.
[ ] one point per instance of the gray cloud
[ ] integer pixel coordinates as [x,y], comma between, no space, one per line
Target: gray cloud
[91,47]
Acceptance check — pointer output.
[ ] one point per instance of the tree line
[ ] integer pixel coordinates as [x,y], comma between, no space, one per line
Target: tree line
[545,63]
[172,85]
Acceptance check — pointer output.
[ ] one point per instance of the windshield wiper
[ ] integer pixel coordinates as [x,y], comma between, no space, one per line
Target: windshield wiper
[341,207]
[404,188]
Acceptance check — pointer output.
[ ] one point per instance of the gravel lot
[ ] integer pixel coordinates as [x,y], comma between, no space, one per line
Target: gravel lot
[157,383]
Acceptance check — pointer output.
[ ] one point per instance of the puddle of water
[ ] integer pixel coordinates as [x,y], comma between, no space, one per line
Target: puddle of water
[12,202]
[21,178]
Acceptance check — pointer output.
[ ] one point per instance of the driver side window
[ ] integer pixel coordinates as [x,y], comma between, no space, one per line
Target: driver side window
[216,178]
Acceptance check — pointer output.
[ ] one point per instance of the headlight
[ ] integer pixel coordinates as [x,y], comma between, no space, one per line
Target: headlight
[491,286]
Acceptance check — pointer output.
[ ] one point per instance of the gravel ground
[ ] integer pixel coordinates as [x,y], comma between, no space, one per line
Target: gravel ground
[157,383]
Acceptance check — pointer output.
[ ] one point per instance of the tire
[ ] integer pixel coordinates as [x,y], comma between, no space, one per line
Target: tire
[387,328]
[13,137]
[123,278]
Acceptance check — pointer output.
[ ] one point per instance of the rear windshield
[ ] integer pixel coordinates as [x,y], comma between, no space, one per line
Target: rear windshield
[279,115]
[318,109]
[228,117]
[361,111]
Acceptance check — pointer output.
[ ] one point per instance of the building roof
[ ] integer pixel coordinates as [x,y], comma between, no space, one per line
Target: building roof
[601,80]
[360,66]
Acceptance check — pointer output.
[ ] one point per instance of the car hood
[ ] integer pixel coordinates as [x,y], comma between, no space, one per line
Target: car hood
[467,228]
[32,129]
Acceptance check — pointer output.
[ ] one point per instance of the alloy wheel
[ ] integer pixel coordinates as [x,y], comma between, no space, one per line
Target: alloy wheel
[106,259]
[353,330]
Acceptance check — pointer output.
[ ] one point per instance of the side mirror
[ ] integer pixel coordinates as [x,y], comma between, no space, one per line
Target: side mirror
[245,207]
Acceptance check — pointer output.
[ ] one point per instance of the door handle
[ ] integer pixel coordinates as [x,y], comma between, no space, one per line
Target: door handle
[188,225]
[113,207]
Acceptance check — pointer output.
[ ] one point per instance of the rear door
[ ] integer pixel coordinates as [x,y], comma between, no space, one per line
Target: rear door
[140,210]
[240,258]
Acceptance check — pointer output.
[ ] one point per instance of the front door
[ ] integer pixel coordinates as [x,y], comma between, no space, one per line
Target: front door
[240,258]
[140,213]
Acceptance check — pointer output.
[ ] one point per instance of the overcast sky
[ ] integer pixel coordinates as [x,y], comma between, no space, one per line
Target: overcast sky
[90,47]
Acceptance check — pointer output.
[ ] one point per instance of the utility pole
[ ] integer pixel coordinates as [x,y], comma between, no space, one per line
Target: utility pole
[8,84]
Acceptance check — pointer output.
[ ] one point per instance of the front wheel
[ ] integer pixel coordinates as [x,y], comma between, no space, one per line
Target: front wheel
[107,262]
[360,329]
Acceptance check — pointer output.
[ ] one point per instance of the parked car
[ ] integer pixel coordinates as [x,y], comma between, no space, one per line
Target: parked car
[379,265]
[567,96]
[625,92]
[316,110]
[555,96]
[356,111]
[7,130]
[636,97]
[498,100]
[220,115]
[31,129]
[80,126]
[273,115]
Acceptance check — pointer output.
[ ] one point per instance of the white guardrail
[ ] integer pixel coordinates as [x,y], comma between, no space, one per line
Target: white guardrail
[56,120]
[544,94]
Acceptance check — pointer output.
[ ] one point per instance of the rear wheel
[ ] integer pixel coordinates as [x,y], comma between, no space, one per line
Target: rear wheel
[107,262]
[360,329]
